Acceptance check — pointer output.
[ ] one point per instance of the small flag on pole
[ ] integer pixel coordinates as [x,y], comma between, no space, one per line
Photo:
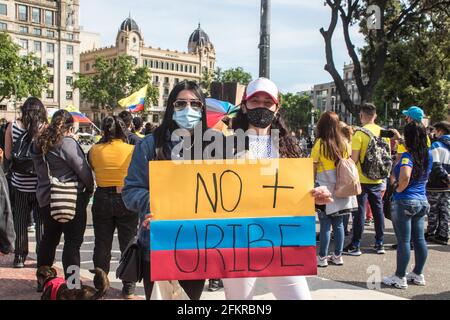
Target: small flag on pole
[135,102]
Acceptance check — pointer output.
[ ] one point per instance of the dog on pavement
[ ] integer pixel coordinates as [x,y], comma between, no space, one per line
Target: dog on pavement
[55,288]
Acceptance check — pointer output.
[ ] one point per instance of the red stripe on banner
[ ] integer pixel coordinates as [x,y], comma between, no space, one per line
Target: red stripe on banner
[233,263]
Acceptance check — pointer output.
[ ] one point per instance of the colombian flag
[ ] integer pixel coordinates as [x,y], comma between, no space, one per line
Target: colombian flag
[135,102]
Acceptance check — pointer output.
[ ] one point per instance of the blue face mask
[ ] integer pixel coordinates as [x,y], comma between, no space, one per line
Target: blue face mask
[187,118]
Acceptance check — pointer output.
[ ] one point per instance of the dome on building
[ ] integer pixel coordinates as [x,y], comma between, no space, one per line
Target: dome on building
[199,37]
[129,25]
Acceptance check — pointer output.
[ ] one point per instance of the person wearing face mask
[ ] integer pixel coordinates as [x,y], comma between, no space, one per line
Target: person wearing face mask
[185,110]
[260,113]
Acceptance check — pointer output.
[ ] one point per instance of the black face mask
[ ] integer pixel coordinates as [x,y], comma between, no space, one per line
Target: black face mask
[260,117]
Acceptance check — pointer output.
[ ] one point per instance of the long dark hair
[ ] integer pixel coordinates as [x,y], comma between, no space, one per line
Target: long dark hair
[34,116]
[113,127]
[417,145]
[288,147]
[163,133]
[330,134]
[51,136]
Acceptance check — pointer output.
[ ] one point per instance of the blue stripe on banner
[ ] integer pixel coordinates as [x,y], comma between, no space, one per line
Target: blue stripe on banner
[233,233]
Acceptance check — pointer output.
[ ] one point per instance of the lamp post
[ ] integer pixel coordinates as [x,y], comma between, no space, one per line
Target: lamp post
[396,106]
[264,45]
[333,103]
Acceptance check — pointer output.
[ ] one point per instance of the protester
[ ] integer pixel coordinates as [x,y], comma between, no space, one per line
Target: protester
[438,187]
[19,136]
[185,110]
[127,118]
[7,234]
[329,148]
[138,124]
[148,129]
[58,157]
[347,132]
[260,113]
[371,189]
[110,159]
[410,206]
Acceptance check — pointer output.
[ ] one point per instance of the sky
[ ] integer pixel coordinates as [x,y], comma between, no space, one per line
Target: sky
[297,47]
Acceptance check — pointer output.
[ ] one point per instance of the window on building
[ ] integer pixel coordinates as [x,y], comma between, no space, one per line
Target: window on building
[172,66]
[155,79]
[23,44]
[69,95]
[3,9]
[177,67]
[176,81]
[155,118]
[23,29]
[51,78]
[50,47]
[37,46]
[50,63]
[49,18]
[69,65]
[190,69]
[166,80]
[185,68]
[195,69]
[87,67]
[166,65]
[166,91]
[37,32]
[69,80]
[50,94]
[70,36]
[135,60]
[23,13]
[70,50]
[36,15]
[3,26]
[50,33]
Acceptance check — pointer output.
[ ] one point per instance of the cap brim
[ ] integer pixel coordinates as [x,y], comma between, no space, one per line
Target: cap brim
[275,100]
[405,113]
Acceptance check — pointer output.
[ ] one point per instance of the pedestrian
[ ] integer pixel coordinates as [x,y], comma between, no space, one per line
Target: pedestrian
[371,189]
[329,148]
[110,159]
[347,132]
[185,110]
[7,234]
[260,113]
[438,187]
[19,137]
[410,206]
[58,156]
[138,124]
[127,118]
[149,128]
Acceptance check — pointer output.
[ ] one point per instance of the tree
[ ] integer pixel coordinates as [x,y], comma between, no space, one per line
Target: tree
[20,76]
[296,110]
[238,75]
[396,18]
[426,84]
[115,81]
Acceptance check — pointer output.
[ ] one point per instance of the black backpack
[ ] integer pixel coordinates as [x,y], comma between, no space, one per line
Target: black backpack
[21,161]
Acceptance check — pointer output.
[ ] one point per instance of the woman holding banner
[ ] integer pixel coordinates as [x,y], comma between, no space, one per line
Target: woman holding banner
[260,113]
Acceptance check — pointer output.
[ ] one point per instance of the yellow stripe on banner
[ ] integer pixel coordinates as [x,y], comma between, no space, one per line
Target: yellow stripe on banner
[236,189]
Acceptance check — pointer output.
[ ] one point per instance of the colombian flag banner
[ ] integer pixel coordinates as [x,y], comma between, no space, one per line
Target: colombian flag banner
[232,220]
[135,102]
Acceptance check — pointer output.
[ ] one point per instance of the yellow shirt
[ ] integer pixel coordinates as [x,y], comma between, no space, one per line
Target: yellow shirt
[110,162]
[360,142]
[323,163]
[402,149]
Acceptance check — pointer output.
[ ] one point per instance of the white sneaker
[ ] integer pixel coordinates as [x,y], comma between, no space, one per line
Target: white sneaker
[417,279]
[399,283]
[336,260]
[322,262]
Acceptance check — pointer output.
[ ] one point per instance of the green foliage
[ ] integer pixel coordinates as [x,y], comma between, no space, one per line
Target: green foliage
[296,110]
[238,75]
[115,81]
[19,76]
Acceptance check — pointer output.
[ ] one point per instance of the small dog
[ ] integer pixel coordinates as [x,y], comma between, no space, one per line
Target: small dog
[55,288]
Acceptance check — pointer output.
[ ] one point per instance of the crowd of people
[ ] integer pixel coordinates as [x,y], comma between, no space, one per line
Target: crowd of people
[361,173]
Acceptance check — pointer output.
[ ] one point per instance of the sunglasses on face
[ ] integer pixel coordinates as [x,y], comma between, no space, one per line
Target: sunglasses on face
[179,105]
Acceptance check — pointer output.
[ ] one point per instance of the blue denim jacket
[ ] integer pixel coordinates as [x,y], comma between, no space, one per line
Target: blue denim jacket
[135,193]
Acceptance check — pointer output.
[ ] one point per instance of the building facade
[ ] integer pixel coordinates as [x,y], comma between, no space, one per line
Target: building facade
[50,30]
[166,66]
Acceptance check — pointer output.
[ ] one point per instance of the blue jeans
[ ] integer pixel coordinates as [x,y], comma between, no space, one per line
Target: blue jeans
[408,217]
[325,230]
[371,192]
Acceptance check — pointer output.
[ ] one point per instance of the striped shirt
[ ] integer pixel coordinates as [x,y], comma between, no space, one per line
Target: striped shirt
[22,182]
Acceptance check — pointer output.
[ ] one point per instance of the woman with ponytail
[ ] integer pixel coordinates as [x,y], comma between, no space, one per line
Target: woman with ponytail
[23,177]
[57,154]
[110,159]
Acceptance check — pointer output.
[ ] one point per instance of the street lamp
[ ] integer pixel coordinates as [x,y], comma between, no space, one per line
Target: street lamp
[333,104]
[396,103]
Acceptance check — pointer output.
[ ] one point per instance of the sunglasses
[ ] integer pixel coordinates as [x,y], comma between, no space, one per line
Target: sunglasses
[179,105]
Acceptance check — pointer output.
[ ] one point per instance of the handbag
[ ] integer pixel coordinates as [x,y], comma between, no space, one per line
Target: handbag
[129,268]
[63,198]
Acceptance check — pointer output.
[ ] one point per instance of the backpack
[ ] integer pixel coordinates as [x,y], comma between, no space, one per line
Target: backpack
[21,161]
[378,161]
[347,179]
